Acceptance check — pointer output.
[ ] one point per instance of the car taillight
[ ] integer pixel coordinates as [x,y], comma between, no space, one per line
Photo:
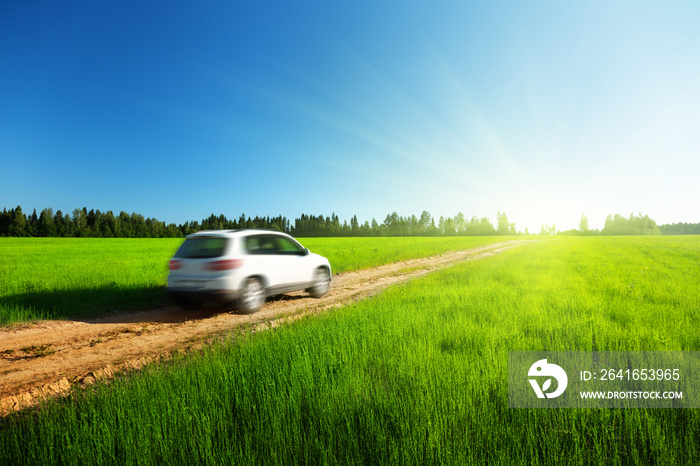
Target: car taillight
[227,264]
[174,264]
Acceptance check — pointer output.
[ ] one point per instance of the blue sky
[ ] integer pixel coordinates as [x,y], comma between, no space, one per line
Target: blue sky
[176,110]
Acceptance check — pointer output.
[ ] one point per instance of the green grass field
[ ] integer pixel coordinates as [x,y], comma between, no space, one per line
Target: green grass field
[54,278]
[415,375]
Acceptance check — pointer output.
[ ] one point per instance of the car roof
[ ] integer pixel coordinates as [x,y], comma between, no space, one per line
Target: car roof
[234,233]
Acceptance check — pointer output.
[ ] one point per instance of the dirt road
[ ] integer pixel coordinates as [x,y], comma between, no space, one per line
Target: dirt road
[49,357]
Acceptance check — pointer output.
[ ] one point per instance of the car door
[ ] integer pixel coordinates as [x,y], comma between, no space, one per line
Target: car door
[261,258]
[290,258]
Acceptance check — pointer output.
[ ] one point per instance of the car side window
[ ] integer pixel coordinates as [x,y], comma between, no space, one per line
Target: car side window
[287,246]
[261,244]
[252,244]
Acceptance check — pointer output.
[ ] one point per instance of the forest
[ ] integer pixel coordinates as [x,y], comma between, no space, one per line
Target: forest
[96,224]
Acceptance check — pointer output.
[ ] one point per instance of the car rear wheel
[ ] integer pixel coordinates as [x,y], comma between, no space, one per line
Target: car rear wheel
[252,297]
[321,283]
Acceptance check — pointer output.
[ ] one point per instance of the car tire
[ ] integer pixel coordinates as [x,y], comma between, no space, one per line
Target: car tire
[321,283]
[252,296]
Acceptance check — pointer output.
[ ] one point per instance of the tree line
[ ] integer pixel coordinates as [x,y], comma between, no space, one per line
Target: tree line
[97,224]
[620,225]
[396,225]
[82,223]
[680,229]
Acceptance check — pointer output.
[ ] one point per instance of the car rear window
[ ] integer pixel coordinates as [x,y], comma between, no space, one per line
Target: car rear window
[202,247]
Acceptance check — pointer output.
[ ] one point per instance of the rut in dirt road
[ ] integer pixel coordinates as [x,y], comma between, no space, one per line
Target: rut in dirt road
[49,357]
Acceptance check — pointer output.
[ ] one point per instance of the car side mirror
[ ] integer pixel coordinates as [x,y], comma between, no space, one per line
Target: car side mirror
[305,252]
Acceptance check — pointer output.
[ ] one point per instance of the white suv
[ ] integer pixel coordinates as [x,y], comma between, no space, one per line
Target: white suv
[245,267]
